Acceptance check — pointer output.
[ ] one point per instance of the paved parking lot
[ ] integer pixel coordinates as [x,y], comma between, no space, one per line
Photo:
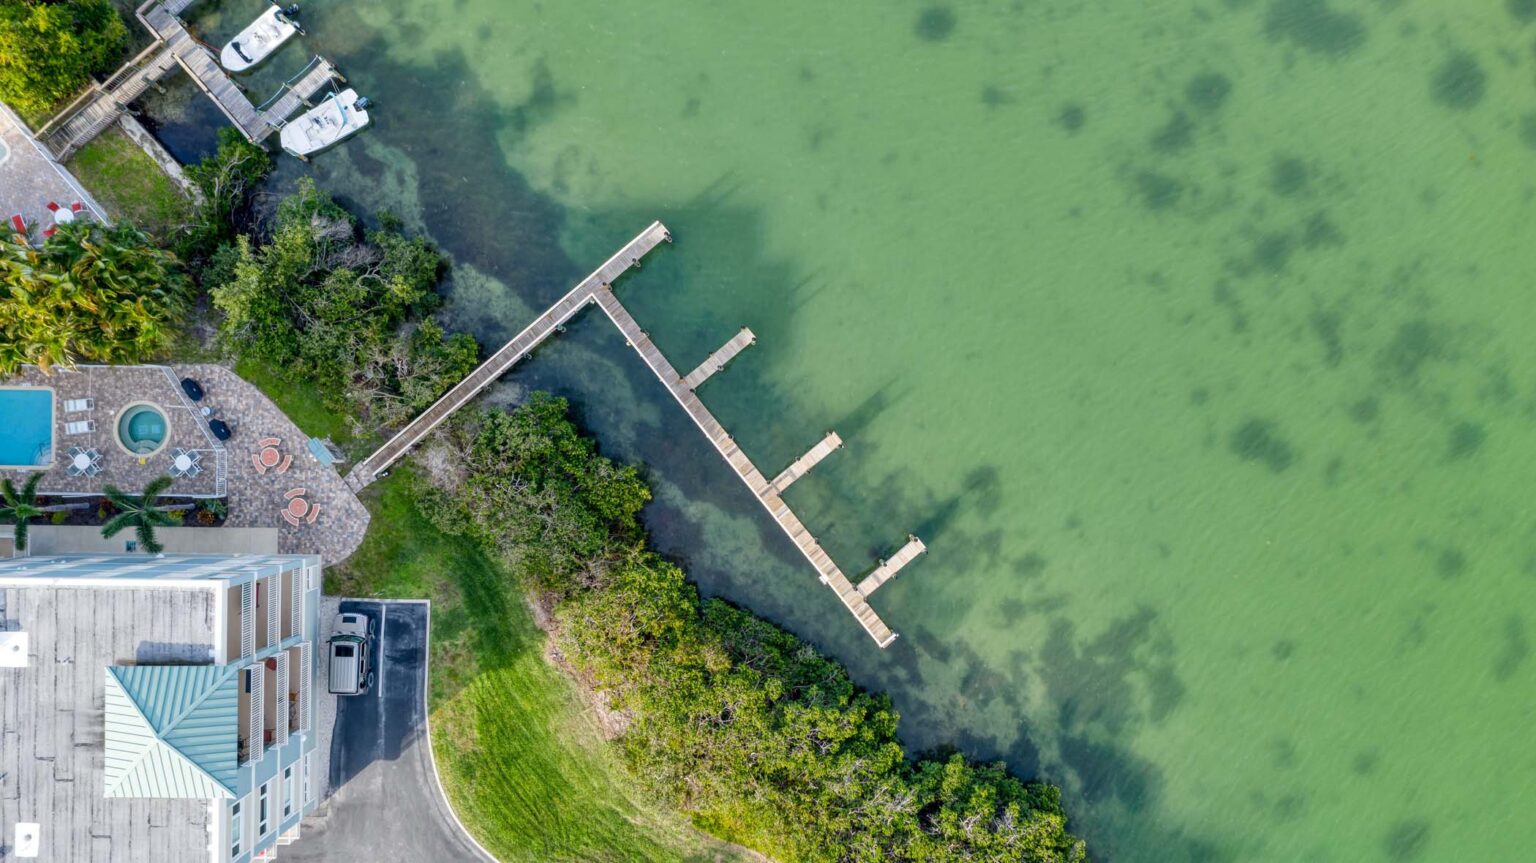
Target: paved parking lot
[385,803]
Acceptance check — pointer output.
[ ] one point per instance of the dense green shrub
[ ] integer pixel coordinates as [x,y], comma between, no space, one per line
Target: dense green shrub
[733,720]
[48,50]
[228,180]
[90,293]
[327,302]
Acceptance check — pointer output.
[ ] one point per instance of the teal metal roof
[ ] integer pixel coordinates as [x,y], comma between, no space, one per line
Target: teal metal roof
[172,731]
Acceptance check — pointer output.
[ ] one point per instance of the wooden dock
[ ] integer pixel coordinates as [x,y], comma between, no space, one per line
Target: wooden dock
[596,288]
[175,47]
[803,464]
[717,360]
[890,566]
[367,470]
[763,490]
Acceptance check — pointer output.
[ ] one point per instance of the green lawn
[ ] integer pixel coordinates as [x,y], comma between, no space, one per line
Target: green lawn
[522,762]
[303,404]
[129,184]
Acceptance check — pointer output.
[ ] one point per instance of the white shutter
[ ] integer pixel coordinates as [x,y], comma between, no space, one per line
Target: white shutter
[282,698]
[297,617]
[306,678]
[274,609]
[258,704]
[247,620]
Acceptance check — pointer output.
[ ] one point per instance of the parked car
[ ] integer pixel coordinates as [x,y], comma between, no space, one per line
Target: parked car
[351,646]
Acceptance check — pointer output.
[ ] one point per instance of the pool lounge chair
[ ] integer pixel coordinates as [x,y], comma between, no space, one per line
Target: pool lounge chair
[75,406]
[80,427]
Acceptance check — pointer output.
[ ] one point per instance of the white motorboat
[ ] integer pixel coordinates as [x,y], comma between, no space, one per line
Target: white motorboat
[338,116]
[257,42]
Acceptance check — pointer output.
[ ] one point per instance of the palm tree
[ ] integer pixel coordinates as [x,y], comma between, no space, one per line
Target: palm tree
[90,293]
[20,507]
[142,512]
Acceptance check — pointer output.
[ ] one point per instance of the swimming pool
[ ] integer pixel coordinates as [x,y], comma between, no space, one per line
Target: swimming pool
[142,428]
[26,413]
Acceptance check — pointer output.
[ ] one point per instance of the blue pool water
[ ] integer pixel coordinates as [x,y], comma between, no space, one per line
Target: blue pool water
[142,429]
[26,427]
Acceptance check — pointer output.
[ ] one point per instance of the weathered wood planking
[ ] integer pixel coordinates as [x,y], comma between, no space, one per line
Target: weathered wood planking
[890,566]
[803,464]
[175,47]
[828,570]
[717,360]
[497,365]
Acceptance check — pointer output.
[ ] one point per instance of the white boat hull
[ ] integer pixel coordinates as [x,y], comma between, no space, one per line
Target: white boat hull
[258,41]
[332,121]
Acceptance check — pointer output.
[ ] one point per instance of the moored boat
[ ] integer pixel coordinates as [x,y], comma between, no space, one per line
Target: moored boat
[337,117]
[260,39]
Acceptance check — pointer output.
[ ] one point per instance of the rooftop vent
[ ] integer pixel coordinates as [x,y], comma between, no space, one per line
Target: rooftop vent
[13,650]
[28,837]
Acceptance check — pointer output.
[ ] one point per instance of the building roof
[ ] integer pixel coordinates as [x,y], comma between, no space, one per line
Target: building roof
[171,731]
[52,757]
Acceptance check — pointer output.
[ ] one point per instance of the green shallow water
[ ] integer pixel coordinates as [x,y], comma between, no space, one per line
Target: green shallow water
[1193,338]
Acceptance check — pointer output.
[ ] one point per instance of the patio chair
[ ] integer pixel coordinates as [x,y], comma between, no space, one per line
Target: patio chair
[194,470]
[270,441]
[283,468]
[294,492]
[76,207]
[289,517]
[48,232]
[19,224]
[80,427]
[256,463]
[75,406]
[314,513]
[53,207]
[71,470]
[74,451]
[94,468]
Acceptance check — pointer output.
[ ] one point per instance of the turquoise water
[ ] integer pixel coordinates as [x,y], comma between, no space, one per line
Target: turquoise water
[27,419]
[141,429]
[1193,337]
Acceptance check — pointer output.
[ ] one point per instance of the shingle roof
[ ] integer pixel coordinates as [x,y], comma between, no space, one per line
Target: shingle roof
[171,731]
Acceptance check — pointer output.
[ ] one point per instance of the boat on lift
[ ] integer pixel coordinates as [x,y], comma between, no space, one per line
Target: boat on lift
[337,117]
[261,38]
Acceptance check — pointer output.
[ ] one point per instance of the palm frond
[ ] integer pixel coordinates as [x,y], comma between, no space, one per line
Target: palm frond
[20,535]
[147,540]
[116,523]
[29,490]
[119,498]
[155,488]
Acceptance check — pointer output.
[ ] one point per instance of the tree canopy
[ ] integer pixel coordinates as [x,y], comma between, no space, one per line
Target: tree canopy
[736,722]
[90,293]
[48,50]
[327,301]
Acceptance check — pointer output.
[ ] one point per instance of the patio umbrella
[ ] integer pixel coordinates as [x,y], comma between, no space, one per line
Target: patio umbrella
[193,389]
[220,429]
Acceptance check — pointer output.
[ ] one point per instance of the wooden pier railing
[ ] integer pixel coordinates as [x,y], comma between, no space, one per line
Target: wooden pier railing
[175,47]
[596,288]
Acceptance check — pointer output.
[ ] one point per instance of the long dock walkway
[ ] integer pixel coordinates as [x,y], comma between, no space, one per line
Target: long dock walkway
[766,494]
[597,288]
[500,362]
[175,47]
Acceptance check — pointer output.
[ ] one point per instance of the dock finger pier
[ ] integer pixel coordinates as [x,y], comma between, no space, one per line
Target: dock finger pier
[597,289]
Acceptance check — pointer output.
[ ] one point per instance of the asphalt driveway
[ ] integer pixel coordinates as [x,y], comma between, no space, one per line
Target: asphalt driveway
[385,803]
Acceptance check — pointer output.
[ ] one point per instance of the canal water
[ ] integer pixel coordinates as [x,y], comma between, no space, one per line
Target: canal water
[1193,337]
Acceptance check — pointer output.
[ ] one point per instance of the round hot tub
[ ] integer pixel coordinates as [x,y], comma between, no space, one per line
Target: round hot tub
[142,429]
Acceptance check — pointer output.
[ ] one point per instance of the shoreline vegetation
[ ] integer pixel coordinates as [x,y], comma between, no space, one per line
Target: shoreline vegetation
[722,729]
[742,727]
